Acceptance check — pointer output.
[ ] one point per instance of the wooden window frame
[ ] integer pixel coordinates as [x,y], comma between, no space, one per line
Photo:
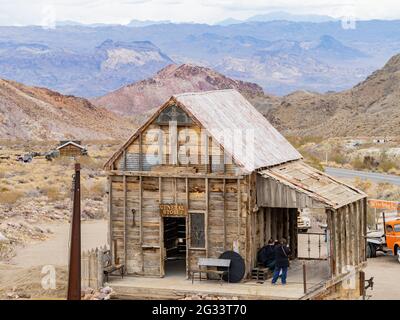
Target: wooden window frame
[190,229]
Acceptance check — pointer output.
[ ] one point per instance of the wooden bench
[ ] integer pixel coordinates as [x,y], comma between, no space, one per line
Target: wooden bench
[109,267]
[205,263]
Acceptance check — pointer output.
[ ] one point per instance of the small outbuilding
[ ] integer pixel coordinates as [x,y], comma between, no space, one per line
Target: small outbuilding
[207,173]
[71,148]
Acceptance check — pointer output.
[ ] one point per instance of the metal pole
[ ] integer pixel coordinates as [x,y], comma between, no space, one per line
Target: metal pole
[384,223]
[74,277]
[304,278]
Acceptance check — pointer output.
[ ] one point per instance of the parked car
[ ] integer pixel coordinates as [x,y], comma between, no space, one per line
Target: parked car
[387,240]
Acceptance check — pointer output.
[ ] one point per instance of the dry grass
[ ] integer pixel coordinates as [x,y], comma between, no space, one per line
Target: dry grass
[10,197]
[52,179]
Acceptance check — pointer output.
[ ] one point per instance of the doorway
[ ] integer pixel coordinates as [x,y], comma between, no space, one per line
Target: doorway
[175,246]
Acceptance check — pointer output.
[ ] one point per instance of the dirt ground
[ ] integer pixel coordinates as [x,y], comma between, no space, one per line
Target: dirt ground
[22,275]
[386,272]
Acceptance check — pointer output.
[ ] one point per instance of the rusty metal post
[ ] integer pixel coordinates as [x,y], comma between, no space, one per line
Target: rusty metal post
[304,278]
[74,276]
[362,284]
[384,222]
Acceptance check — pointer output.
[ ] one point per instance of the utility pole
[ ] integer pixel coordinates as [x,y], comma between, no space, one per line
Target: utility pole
[74,276]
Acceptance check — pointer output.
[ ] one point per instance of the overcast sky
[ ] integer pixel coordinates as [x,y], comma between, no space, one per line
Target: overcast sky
[43,12]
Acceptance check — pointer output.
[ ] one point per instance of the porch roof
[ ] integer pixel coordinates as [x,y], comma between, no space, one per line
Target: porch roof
[299,185]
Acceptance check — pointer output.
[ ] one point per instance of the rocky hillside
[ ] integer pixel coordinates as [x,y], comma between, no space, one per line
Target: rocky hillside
[41,114]
[371,108]
[142,96]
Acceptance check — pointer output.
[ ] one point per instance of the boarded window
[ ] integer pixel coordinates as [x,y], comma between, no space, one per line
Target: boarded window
[197,234]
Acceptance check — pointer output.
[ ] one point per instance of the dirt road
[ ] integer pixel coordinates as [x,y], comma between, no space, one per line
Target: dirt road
[55,250]
[386,273]
[23,274]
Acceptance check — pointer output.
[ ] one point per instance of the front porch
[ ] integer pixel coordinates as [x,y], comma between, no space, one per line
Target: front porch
[176,286]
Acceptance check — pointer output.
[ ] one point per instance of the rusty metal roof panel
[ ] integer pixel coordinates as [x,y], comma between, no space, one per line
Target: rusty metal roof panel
[318,185]
[227,111]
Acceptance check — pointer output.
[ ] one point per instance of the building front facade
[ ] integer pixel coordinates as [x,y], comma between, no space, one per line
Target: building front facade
[207,173]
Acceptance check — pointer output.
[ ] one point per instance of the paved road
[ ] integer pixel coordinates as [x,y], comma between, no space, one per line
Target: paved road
[376,177]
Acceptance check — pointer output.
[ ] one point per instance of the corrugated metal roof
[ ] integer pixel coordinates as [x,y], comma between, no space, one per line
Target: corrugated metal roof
[224,111]
[317,185]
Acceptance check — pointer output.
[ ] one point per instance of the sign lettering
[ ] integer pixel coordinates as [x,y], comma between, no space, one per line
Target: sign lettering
[173,210]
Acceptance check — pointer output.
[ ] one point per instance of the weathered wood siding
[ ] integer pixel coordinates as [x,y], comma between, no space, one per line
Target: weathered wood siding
[224,201]
[70,151]
[192,150]
[347,229]
[271,193]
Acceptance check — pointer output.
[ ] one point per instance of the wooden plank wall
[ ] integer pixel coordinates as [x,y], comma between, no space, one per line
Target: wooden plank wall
[273,194]
[347,230]
[189,143]
[70,151]
[136,222]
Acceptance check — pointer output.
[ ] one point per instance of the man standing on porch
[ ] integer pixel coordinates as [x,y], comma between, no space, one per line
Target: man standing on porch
[282,253]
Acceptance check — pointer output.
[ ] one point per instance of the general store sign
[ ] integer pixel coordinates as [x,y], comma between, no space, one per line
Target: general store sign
[173,210]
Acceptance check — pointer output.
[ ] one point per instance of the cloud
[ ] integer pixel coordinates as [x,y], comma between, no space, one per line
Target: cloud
[23,12]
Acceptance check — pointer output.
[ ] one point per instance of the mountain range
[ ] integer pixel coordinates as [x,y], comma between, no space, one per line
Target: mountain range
[371,108]
[84,73]
[279,16]
[280,56]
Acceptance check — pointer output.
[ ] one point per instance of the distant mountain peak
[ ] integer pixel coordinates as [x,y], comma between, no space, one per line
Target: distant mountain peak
[286,16]
[140,97]
[109,43]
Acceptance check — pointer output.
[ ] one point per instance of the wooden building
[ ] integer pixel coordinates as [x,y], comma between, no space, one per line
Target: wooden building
[71,149]
[208,173]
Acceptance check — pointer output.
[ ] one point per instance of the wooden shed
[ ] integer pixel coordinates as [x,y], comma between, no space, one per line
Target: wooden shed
[208,173]
[71,149]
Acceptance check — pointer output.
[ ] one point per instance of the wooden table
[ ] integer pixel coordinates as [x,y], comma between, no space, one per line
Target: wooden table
[212,262]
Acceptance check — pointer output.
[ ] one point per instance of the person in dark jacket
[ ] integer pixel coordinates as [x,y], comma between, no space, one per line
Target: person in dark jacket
[282,253]
[266,255]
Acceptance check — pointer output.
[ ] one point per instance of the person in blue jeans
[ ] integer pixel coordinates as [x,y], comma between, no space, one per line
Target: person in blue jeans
[282,253]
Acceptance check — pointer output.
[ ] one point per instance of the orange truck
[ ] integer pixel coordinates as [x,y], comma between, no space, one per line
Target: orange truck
[386,241]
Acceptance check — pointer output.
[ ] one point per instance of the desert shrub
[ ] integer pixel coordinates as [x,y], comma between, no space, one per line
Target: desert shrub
[97,189]
[386,165]
[338,156]
[89,163]
[297,141]
[313,161]
[363,185]
[93,189]
[63,161]
[10,197]
[53,193]
[358,164]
